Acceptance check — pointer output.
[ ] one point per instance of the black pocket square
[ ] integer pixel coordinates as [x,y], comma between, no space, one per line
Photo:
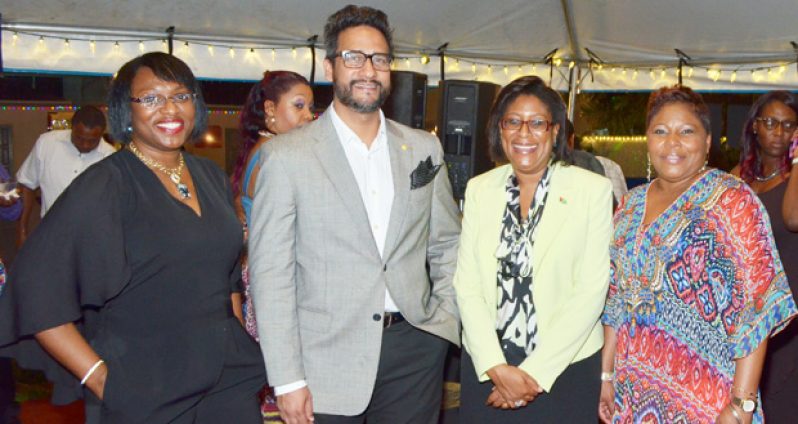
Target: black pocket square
[423,174]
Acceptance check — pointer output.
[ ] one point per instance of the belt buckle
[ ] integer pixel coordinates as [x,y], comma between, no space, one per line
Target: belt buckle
[387,319]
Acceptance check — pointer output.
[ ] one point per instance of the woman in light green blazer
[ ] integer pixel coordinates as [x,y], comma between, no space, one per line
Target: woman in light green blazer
[533,269]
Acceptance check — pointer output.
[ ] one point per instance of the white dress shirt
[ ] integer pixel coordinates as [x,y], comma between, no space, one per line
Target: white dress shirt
[54,162]
[371,167]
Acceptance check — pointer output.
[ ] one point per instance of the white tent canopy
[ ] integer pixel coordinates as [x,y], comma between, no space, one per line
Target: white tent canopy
[732,45]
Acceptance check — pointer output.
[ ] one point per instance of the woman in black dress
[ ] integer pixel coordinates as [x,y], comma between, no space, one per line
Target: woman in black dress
[130,280]
[766,166]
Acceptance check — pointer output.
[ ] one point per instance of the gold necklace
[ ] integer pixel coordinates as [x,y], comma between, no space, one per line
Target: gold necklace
[173,173]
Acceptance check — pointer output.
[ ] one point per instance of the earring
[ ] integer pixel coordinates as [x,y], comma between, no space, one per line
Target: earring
[272,120]
[129,129]
[704,168]
[648,168]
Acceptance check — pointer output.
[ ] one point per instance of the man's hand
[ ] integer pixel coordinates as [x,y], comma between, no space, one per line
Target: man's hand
[296,407]
[515,386]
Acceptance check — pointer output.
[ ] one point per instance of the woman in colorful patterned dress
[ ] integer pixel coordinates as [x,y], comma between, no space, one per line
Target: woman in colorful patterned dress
[765,164]
[697,285]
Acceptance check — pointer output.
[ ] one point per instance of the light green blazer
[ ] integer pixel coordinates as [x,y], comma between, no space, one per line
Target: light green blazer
[571,268]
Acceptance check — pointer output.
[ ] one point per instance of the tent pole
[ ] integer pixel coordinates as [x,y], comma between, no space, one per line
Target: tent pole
[573,86]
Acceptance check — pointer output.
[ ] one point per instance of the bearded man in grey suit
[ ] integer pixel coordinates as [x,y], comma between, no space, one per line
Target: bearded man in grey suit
[348,211]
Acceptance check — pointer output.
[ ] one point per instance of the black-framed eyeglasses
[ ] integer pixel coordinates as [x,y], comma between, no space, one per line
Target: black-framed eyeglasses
[356,59]
[156,100]
[537,125]
[772,123]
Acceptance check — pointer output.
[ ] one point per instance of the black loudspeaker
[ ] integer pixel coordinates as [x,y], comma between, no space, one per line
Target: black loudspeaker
[464,117]
[408,99]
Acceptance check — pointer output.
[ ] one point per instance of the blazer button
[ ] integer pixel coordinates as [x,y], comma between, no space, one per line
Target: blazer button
[377,317]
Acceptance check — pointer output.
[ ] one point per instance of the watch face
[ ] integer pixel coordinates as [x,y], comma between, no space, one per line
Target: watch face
[749,405]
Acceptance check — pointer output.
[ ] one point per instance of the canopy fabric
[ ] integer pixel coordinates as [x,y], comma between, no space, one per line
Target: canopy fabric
[732,45]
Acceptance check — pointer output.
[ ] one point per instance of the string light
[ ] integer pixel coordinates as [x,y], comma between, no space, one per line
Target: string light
[634,75]
[141,46]
[490,69]
[506,70]
[15,36]
[662,73]
[66,43]
[424,59]
[571,65]
[274,55]
[651,74]
[474,68]
[293,52]
[92,46]
[690,73]
[41,41]
[251,50]
[116,45]
[733,77]
[557,61]
[232,52]
[210,50]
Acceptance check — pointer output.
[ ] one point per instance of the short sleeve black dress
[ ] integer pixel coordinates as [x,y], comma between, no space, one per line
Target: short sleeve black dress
[780,374]
[147,280]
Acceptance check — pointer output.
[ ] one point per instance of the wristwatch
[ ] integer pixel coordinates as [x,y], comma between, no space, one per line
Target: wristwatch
[747,405]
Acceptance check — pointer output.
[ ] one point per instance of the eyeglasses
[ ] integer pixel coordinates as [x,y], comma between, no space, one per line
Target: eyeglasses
[536,125]
[773,123]
[356,59]
[156,100]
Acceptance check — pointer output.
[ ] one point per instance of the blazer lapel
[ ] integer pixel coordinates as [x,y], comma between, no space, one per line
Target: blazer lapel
[555,214]
[402,156]
[332,158]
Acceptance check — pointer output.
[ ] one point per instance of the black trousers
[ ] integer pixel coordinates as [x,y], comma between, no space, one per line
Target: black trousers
[409,386]
[573,398]
[232,399]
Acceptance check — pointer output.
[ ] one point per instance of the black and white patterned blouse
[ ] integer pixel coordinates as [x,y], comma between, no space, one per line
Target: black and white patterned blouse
[516,323]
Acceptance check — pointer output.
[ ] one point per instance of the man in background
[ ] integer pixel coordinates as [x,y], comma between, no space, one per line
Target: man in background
[56,159]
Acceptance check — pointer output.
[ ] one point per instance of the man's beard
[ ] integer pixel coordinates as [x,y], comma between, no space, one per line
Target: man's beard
[344,95]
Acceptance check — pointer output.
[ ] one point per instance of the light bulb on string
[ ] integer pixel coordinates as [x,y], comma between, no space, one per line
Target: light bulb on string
[407,62]
[662,73]
[251,50]
[424,59]
[634,75]
[293,52]
[571,65]
[490,69]
[66,43]
[116,45]
[651,74]
[274,55]
[210,50]
[733,77]
[506,70]
[232,52]
[15,36]
[92,46]
[520,69]
[41,40]
[690,72]
[474,68]
[141,46]
[782,69]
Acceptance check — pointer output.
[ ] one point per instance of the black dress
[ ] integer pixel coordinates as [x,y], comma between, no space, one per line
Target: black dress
[780,374]
[149,283]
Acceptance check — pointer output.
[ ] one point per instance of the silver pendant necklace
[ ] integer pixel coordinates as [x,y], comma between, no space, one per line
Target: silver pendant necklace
[173,173]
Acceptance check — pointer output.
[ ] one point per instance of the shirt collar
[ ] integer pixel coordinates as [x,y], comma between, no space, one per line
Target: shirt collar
[347,136]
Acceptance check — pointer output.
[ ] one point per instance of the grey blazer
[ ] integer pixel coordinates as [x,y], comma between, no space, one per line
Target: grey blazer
[317,279]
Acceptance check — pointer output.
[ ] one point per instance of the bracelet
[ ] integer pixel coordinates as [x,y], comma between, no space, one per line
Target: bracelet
[743,393]
[608,376]
[795,160]
[91,371]
[736,415]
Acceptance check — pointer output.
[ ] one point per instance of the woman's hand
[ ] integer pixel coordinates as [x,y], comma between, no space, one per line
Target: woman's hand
[515,387]
[727,416]
[606,406]
[96,383]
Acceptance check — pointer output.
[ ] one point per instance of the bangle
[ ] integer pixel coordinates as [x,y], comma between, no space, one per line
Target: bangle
[608,376]
[91,371]
[736,415]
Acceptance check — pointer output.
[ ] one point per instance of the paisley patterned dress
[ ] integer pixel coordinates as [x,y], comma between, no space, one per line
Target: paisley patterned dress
[690,292]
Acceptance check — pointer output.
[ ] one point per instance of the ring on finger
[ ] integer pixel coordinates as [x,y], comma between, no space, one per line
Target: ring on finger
[518,403]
